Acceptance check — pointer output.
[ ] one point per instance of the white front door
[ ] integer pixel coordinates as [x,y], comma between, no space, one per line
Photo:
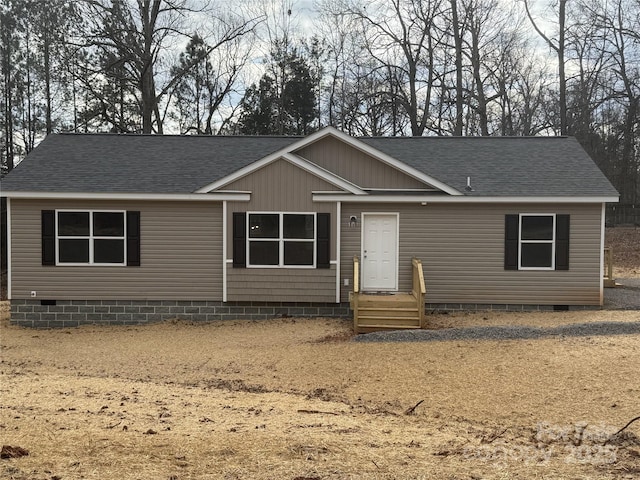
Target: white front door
[380,251]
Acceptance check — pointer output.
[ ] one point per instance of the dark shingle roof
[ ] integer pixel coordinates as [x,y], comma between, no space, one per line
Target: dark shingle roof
[498,166]
[135,163]
[502,166]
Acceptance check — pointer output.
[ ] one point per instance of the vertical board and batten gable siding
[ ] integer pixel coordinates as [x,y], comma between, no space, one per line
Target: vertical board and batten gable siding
[181,254]
[280,187]
[462,253]
[356,166]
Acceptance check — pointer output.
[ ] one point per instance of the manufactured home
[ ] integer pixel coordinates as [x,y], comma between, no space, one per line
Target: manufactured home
[107,228]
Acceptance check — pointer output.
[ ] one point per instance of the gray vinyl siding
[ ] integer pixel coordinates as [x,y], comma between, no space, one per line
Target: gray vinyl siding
[181,253]
[281,284]
[356,166]
[280,187]
[462,252]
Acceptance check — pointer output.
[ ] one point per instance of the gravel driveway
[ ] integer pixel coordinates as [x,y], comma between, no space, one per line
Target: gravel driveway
[625,297]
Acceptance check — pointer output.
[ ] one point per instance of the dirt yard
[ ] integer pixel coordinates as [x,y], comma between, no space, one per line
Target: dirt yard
[296,399]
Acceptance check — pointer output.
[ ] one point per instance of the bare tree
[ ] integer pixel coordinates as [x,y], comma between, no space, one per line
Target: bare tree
[138,35]
[559,47]
[404,36]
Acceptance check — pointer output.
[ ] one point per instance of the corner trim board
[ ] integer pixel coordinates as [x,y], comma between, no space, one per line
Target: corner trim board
[8,249]
[602,233]
[337,260]
[224,251]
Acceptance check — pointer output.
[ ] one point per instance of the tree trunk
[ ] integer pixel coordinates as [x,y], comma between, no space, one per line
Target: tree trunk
[47,79]
[561,73]
[457,37]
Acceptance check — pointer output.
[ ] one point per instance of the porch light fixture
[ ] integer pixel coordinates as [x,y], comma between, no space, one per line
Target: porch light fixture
[353,221]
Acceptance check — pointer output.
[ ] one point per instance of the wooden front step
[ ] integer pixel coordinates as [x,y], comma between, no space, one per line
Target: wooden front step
[386,312]
[379,328]
[400,300]
[389,312]
[388,322]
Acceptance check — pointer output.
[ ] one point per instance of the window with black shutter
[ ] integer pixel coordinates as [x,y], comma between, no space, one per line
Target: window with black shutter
[281,240]
[90,237]
[536,242]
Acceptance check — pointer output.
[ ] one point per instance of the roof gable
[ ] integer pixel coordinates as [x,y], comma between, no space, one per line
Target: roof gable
[358,167]
[301,163]
[304,143]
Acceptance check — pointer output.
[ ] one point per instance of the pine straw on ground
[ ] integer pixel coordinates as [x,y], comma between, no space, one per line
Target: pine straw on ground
[295,399]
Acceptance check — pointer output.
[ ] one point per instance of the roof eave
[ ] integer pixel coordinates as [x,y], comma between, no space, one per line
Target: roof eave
[321,197]
[201,197]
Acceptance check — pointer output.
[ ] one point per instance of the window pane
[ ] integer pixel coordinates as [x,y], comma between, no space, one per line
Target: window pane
[298,253]
[537,227]
[108,224]
[264,253]
[297,226]
[264,226]
[73,250]
[536,254]
[73,224]
[108,251]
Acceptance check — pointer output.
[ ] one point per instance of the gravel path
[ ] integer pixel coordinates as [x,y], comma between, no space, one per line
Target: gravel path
[625,297]
[503,332]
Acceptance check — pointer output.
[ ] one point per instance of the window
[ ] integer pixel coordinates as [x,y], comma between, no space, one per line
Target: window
[81,237]
[90,237]
[281,239]
[537,242]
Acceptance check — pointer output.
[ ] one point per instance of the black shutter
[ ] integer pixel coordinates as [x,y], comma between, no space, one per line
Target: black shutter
[133,239]
[239,239]
[323,240]
[562,242]
[48,237]
[511,227]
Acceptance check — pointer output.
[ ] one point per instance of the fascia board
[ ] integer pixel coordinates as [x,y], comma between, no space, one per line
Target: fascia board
[209,197]
[458,199]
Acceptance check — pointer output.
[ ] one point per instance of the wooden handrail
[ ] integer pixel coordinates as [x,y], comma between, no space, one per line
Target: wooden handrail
[419,288]
[418,277]
[608,261]
[356,274]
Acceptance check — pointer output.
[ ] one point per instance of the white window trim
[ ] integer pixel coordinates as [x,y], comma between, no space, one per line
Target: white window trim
[281,240]
[552,241]
[90,238]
